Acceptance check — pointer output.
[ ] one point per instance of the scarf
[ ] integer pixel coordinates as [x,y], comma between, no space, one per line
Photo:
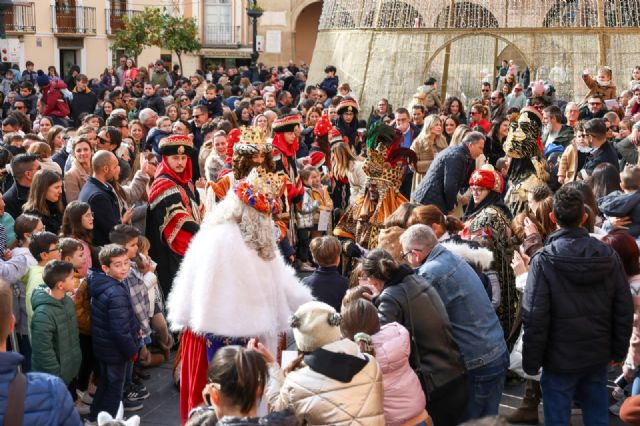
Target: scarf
[287,149]
[493,198]
[182,178]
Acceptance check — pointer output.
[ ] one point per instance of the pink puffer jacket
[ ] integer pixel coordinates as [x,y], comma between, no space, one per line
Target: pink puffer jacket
[403,395]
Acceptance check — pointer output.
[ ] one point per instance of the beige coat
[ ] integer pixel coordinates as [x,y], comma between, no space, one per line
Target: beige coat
[319,400]
[357,180]
[426,151]
[568,164]
[74,180]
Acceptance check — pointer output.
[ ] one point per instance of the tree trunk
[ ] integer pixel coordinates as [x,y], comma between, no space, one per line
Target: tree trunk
[179,55]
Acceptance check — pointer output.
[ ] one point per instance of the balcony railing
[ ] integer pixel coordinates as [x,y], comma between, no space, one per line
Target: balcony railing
[114,19]
[220,35]
[73,20]
[19,18]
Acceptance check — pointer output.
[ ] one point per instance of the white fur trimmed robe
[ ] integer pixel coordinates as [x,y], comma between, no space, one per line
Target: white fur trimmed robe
[223,287]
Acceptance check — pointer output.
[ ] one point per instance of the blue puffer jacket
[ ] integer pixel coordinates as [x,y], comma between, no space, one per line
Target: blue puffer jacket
[114,327]
[48,401]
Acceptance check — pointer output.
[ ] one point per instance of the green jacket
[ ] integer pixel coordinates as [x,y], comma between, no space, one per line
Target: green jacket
[54,336]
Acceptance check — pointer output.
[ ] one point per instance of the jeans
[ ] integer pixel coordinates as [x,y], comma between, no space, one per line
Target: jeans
[109,391]
[588,389]
[486,384]
[635,385]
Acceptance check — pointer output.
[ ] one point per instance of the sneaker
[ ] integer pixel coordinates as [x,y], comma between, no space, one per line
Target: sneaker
[138,387]
[306,267]
[130,405]
[615,408]
[133,394]
[85,397]
[82,408]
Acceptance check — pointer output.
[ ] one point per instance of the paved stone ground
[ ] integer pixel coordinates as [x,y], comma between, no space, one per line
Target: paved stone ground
[161,409]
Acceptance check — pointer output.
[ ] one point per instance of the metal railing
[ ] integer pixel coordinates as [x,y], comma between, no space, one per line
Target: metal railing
[20,18]
[480,14]
[73,19]
[114,21]
[220,35]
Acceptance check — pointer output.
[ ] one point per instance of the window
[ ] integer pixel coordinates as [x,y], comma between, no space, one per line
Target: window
[217,22]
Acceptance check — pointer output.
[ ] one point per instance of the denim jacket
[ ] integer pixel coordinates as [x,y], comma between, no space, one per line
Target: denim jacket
[474,323]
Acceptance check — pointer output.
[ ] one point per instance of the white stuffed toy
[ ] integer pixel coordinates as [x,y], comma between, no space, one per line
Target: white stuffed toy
[105,419]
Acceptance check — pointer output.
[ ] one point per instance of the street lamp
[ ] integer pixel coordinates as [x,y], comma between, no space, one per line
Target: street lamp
[254,12]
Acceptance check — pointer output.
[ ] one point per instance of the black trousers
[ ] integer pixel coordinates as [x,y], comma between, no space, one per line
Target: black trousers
[447,404]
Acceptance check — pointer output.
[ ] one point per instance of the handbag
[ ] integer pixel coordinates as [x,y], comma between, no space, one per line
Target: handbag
[425,378]
[15,401]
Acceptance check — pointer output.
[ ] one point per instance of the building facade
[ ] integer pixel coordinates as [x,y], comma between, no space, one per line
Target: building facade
[387,48]
[66,32]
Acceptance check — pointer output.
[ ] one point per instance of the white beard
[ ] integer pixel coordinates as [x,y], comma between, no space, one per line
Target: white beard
[227,286]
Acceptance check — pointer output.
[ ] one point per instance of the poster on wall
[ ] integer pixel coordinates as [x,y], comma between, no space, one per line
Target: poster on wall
[274,41]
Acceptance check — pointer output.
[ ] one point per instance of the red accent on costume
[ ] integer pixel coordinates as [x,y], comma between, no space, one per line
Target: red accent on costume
[193,373]
[287,149]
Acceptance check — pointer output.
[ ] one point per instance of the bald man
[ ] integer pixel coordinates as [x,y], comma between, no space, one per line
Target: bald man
[101,197]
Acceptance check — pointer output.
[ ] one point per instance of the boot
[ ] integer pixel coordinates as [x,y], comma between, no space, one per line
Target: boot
[528,410]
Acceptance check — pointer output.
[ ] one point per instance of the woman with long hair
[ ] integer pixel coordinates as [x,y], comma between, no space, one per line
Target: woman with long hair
[453,107]
[105,110]
[394,226]
[243,115]
[479,118]
[348,177]
[55,139]
[427,145]
[142,76]
[604,180]
[443,226]
[45,125]
[232,118]
[78,174]
[347,123]
[172,112]
[450,125]
[108,78]
[311,118]
[130,70]
[77,223]
[493,143]
[262,122]
[45,199]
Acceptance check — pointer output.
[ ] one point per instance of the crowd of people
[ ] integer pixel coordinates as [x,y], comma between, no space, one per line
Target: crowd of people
[443,253]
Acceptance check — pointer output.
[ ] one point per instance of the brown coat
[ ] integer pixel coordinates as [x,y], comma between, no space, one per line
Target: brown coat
[74,180]
[426,151]
[568,167]
[609,92]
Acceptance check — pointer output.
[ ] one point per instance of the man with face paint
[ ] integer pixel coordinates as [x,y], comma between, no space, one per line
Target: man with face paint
[385,167]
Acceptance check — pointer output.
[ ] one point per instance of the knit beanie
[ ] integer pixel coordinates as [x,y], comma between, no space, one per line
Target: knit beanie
[42,79]
[314,325]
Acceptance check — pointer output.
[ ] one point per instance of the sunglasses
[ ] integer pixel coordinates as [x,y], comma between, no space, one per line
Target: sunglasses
[474,112]
[485,90]
[104,141]
[595,103]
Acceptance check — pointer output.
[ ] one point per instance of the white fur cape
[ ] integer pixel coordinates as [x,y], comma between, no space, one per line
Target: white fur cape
[223,287]
[477,256]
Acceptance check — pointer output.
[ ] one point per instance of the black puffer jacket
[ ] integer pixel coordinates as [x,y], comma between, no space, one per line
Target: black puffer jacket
[439,354]
[577,310]
[448,174]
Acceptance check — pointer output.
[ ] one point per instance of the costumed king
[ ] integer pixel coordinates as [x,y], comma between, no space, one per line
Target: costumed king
[232,284]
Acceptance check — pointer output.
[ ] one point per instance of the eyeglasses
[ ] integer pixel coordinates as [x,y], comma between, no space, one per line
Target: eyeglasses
[197,115]
[595,103]
[474,112]
[103,141]
[485,90]
[494,98]
[405,255]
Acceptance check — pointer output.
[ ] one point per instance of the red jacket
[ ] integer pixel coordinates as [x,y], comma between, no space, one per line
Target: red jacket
[57,105]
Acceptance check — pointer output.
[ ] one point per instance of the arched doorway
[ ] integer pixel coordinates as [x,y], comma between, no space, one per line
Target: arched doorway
[307,31]
[462,64]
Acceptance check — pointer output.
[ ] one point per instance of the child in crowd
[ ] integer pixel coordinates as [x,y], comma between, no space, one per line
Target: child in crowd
[156,134]
[626,126]
[602,85]
[156,305]
[44,248]
[30,98]
[330,83]
[127,236]
[320,194]
[42,150]
[72,251]
[634,83]
[212,101]
[54,329]
[25,226]
[235,383]
[625,203]
[7,224]
[326,283]
[353,395]
[404,400]
[114,329]
[304,218]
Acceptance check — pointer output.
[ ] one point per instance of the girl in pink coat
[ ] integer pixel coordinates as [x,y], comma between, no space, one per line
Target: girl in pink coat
[404,400]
